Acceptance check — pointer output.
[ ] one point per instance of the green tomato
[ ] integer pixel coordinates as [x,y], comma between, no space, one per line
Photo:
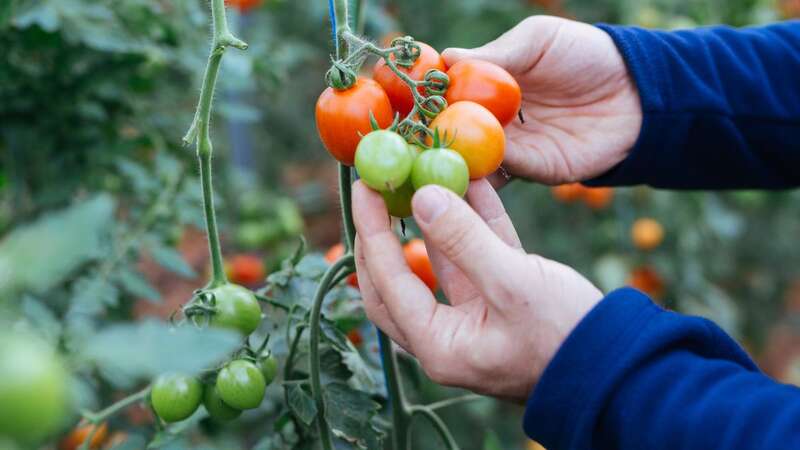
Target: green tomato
[443,167]
[269,368]
[34,397]
[236,308]
[241,384]
[175,397]
[383,160]
[217,408]
[399,202]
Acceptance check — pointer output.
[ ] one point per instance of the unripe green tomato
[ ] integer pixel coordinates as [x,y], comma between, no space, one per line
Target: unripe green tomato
[269,368]
[34,397]
[383,160]
[443,167]
[217,408]
[399,202]
[235,308]
[241,384]
[175,396]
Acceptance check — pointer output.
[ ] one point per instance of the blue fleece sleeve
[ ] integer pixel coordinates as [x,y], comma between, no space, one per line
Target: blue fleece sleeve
[721,107]
[634,376]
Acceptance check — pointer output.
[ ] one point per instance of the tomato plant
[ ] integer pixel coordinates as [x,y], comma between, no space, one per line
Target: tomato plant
[217,408]
[75,439]
[417,259]
[474,133]
[333,254]
[235,307]
[383,160]
[396,89]
[33,391]
[443,167]
[343,116]
[486,84]
[241,385]
[175,397]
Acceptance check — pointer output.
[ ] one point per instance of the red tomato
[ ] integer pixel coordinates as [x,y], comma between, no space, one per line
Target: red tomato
[487,84]
[475,134]
[243,6]
[418,261]
[342,115]
[568,193]
[355,337]
[336,252]
[647,280]
[397,90]
[247,270]
[80,433]
[598,198]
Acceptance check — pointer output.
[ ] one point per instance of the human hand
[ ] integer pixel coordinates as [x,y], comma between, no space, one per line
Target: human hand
[508,311]
[581,107]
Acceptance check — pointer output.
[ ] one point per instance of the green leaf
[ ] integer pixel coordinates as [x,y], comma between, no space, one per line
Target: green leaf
[151,348]
[171,260]
[334,335]
[42,14]
[42,318]
[91,294]
[311,266]
[350,413]
[137,286]
[39,256]
[301,404]
[331,365]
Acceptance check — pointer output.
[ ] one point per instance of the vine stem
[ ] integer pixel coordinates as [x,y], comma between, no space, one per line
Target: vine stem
[437,423]
[101,416]
[345,261]
[400,411]
[199,132]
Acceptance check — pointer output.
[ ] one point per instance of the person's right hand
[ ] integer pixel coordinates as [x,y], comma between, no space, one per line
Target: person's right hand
[581,107]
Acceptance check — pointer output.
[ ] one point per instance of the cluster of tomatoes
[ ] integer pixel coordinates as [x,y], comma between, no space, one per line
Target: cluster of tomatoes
[595,198]
[238,385]
[465,140]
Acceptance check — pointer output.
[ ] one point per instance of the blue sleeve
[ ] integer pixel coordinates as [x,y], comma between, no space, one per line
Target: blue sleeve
[634,376]
[721,107]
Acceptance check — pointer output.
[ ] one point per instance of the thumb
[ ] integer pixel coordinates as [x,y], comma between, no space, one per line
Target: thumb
[487,52]
[458,233]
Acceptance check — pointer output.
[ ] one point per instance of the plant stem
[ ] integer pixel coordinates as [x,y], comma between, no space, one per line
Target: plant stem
[437,423]
[199,132]
[394,388]
[345,189]
[453,401]
[342,26]
[313,352]
[98,417]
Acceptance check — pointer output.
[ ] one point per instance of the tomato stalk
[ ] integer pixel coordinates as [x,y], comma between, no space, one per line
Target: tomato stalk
[437,423]
[101,416]
[199,132]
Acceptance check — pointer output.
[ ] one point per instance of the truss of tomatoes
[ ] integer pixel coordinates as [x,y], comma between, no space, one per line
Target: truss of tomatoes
[482,98]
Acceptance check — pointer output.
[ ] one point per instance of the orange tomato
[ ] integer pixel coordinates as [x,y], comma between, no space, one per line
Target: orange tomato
[397,90]
[355,337]
[568,193]
[475,134]
[487,84]
[336,252]
[598,198]
[417,259]
[246,270]
[342,115]
[243,6]
[75,439]
[647,233]
[647,280]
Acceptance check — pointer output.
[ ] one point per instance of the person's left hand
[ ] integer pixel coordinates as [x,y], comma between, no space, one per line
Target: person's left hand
[508,311]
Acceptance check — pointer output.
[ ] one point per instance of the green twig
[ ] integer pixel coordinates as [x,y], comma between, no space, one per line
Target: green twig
[394,388]
[453,401]
[101,416]
[345,190]
[437,423]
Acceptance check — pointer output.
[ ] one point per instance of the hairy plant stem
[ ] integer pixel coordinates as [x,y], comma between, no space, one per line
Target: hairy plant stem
[101,416]
[401,418]
[199,132]
[345,262]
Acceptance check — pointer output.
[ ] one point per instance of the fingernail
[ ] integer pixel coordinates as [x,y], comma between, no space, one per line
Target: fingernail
[429,203]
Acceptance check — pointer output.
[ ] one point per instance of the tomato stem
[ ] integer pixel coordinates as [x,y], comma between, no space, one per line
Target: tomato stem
[101,416]
[394,388]
[345,190]
[199,132]
[437,423]
[345,262]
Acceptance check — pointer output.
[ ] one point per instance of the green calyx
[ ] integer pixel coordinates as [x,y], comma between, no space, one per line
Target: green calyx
[340,76]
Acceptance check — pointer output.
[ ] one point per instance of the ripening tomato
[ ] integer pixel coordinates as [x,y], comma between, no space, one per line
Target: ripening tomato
[397,90]
[417,259]
[241,384]
[175,397]
[487,84]
[343,116]
[443,167]
[243,269]
[244,6]
[355,337]
[383,160]
[568,193]
[647,280]
[235,307]
[336,252]
[647,233]
[75,439]
[598,198]
[475,134]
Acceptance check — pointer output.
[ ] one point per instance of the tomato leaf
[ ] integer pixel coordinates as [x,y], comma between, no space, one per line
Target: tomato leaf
[350,414]
[137,285]
[171,260]
[301,404]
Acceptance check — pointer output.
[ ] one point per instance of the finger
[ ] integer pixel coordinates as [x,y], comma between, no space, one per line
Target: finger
[451,226]
[373,304]
[408,300]
[456,286]
[485,201]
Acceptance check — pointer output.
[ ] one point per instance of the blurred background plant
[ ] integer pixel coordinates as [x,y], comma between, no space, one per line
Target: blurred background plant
[100,209]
